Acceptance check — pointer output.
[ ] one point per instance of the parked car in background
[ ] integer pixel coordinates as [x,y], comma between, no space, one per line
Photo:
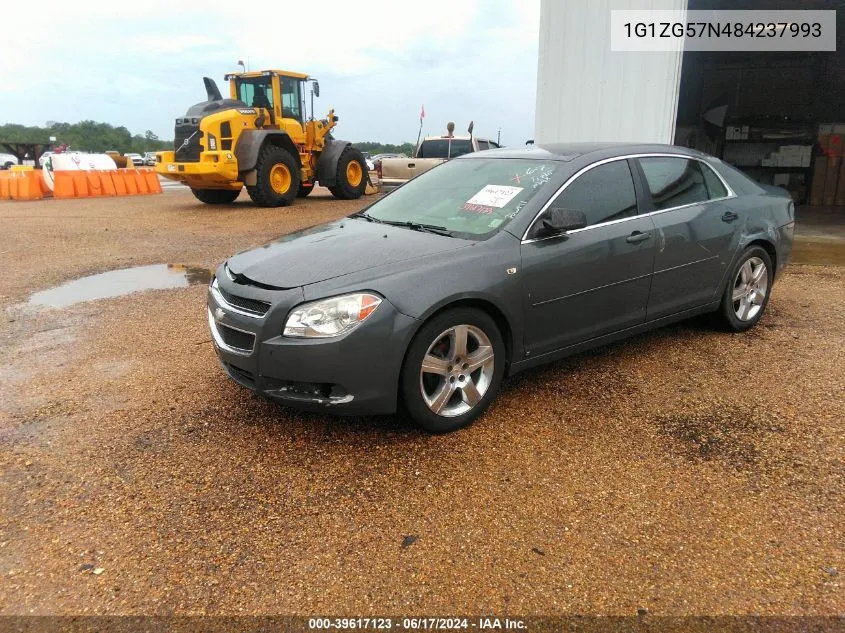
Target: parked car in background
[137,159]
[149,158]
[493,263]
[433,150]
[378,157]
[7,160]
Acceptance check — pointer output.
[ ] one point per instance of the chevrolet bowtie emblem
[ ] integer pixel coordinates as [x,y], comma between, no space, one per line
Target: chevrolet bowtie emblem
[219,314]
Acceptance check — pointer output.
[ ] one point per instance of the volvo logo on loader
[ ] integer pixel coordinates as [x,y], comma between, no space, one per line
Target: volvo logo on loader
[278,155]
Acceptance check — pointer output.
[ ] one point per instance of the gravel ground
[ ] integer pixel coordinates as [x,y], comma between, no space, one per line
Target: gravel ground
[683,472]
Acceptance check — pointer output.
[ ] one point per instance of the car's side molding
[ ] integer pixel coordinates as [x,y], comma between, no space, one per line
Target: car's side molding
[606,339]
[583,170]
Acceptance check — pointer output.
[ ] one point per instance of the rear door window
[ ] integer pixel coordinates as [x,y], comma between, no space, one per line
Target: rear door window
[674,182]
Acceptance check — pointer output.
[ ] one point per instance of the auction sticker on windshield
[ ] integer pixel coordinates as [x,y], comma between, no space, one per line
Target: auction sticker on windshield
[495,196]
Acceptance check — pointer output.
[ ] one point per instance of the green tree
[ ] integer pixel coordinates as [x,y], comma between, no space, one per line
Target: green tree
[90,136]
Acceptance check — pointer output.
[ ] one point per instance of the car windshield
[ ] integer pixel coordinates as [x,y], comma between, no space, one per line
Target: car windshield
[472,196]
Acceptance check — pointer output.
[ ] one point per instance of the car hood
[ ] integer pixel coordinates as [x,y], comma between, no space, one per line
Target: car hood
[338,248]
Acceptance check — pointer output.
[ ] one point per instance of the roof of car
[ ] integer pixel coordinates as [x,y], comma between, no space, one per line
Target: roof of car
[570,151]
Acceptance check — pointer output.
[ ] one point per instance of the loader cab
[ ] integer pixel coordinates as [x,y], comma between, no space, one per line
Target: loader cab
[280,93]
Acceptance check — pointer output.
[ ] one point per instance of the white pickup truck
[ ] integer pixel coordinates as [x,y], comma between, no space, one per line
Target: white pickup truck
[431,152]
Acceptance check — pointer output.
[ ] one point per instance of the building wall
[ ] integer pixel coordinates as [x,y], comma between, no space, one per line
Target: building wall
[586,92]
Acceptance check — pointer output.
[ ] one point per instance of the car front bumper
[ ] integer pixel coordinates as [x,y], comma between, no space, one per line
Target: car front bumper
[353,374]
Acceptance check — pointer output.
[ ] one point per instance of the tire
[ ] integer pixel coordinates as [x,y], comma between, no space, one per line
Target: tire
[276,178]
[747,291]
[441,400]
[351,175]
[304,190]
[216,196]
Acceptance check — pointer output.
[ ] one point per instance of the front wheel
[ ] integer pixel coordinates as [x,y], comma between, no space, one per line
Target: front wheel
[216,196]
[748,289]
[276,178]
[351,175]
[452,370]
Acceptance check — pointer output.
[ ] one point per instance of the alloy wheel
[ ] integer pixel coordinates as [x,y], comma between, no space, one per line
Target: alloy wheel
[750,289]
[457,370]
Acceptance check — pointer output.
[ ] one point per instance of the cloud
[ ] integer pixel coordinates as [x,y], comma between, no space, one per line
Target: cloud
[140,64]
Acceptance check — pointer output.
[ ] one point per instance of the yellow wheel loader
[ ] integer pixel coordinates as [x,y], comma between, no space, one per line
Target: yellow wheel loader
[261,137]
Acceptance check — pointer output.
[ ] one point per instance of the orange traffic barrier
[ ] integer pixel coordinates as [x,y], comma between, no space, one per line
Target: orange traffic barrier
[119,182]
[140,181]
[107,183]
[95,187]
[5,179]
[22,185]
[153,182]
[63,184]
[80,184]
[30,185]
[131,183]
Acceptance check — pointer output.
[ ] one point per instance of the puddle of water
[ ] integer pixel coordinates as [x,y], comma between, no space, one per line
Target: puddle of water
[821,253]
[118,283]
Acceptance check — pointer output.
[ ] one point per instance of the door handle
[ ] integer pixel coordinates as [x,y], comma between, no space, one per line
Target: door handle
[411,165]
[638,236]
[729,216]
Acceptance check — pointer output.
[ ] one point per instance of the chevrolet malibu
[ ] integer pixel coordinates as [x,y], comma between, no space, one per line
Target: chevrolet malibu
[490,264]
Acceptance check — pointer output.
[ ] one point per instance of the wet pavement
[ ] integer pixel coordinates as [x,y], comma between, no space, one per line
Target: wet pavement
[119,283]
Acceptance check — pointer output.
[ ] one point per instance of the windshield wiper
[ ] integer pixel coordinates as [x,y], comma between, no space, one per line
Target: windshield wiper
[419,226]
[415,226]
[368,218]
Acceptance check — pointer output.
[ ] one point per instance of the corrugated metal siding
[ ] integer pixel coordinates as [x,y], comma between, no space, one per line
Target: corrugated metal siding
[586,92]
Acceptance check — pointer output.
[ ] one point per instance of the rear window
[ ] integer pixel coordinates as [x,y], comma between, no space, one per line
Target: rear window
[444,148]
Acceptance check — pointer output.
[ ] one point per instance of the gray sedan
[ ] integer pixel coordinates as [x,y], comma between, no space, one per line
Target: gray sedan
[492,263]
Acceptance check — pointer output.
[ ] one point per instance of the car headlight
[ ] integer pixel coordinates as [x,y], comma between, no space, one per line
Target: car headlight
[331,317]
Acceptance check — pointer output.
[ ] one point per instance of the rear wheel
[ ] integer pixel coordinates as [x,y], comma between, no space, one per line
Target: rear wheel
[747,293]
[351,175]
[452,370]
[216,196]
[276,178]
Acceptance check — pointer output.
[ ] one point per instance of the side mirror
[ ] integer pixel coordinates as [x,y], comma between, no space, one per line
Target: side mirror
[470,128]
[559,220]
[316,88]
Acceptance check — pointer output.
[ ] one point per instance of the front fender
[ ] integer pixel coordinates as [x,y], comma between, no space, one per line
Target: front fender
[327,163]
[250,143]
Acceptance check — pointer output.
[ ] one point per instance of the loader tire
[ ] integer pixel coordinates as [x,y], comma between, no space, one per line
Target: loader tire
[276,178]
[351,175]
[216,196]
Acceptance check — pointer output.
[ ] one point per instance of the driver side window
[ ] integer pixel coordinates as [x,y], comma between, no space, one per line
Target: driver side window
[602,194]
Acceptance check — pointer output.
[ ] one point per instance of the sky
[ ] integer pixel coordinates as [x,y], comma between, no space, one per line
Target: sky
[140,63]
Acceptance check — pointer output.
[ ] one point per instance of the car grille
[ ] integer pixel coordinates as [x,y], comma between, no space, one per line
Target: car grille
[253,306]
[241,341]
[190,152]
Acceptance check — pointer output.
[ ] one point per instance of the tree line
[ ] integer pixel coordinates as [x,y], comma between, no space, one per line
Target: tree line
[87,136]
[91,136]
